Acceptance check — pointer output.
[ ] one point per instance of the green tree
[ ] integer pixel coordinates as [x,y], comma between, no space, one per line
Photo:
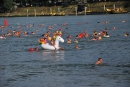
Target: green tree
[8,5]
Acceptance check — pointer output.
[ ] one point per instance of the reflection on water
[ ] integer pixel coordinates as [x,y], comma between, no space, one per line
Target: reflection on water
[53,55]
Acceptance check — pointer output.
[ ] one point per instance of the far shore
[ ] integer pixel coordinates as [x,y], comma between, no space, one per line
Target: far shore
[91,9]
[71,14]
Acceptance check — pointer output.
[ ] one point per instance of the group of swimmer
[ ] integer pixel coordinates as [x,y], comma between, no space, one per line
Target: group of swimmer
[98,35]
[49,36]
[18,33]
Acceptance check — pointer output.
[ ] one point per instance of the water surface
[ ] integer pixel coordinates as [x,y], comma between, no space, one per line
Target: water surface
[70,67]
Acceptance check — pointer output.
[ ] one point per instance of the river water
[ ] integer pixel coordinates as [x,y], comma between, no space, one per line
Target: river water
[70,67]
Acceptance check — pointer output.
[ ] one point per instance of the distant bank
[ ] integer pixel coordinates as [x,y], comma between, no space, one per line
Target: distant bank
[120,7]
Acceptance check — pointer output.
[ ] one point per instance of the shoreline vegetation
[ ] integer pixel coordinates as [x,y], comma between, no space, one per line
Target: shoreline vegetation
[119,7]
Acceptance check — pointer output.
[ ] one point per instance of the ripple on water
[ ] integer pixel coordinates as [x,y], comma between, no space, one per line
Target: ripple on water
[70,67]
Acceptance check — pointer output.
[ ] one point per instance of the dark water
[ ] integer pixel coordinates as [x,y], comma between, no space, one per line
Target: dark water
[69,67]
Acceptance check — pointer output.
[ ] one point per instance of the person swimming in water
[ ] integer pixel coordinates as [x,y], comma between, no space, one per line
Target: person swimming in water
[126,34]
[75,40]
[53,43]
[69,41]
[99,61]
[36,49]
[76,47]
[33,49]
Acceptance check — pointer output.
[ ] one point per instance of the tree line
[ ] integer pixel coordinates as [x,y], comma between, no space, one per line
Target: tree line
[8,5]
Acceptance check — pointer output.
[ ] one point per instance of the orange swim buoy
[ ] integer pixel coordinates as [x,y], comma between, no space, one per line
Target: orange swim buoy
[54,37]
[49,38]
[81,35]
[5,22]
[42,41]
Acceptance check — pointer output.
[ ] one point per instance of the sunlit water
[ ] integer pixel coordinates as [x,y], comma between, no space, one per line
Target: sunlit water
[70,67]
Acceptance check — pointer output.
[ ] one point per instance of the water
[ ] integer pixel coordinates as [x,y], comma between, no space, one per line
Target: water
[70,67]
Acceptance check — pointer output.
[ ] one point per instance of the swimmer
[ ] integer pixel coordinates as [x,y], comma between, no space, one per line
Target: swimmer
[53,43]
[99,61]
[32,33]
[123,20]
[69,41]
[86,35]
[126,34]
[1,26]
[36,49]
[77,47]
[75,40]
[33,49]
[114,28]
[69,36]
[99,38]
[94,38]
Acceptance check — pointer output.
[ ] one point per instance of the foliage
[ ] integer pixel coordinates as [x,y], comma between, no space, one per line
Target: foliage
[8,5]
